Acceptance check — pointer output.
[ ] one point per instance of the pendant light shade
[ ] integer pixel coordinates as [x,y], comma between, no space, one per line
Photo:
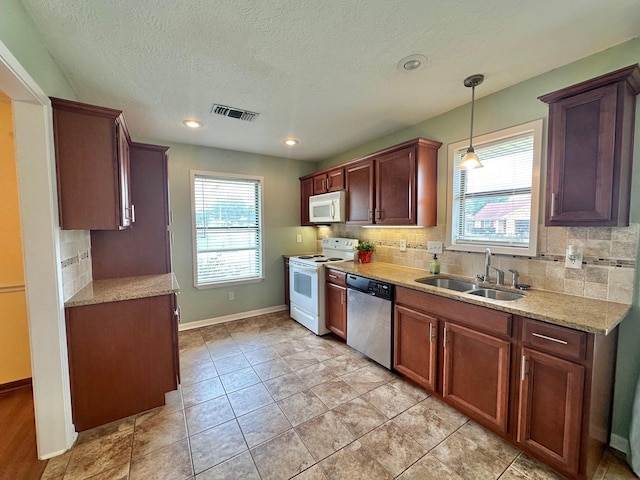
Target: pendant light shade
[470,159]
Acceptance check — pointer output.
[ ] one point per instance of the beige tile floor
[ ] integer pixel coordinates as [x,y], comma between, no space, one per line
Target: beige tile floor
[263,398]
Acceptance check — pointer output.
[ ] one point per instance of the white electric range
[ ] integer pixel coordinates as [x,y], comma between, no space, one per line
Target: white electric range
[306,281]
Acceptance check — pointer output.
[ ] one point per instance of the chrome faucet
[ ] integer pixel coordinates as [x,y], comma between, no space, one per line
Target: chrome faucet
[514,282]
[499,276]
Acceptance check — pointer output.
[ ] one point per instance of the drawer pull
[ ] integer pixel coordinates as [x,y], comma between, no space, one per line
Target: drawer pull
[522,368]
[551,339]
[333,276]
[431,332]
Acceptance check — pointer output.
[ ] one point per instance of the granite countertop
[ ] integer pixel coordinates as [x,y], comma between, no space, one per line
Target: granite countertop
[585,314]
[128,288]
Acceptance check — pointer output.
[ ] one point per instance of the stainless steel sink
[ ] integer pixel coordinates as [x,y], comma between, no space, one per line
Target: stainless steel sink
[448,283]
[496,294]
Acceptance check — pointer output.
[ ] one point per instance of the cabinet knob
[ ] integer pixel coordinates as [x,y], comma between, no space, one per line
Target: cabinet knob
[133,213]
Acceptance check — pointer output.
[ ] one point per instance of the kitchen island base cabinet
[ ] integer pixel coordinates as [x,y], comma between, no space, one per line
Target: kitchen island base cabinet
[415,352]
[122,358]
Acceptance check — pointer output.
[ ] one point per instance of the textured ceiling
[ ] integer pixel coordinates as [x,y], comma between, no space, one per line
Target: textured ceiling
[323,71]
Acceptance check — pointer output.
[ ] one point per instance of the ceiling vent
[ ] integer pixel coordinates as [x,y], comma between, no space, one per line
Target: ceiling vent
[233,112]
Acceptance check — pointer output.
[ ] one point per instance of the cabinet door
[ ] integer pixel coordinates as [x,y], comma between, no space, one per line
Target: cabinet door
[320,184]
[91,165]
[306,190]
[415,346]
[124,166]
[335,180]
[143,248]
[396,188]
[336,309]
[360,193]
[550,408]
[580,179]
[476,374]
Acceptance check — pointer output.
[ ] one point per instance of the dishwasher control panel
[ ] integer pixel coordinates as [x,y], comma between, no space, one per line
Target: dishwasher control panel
[372,287]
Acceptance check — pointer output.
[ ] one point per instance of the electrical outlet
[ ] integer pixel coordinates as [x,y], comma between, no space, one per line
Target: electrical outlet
[573,258]
[434,247]
[232,296]
[298,238]
[403,245]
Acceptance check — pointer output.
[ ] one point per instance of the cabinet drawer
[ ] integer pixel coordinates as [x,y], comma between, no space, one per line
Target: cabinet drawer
[336,277]
[554,339]
[480,318]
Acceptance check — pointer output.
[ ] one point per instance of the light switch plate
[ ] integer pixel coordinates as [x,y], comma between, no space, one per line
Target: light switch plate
[434,247]
[298,238]
[403,245]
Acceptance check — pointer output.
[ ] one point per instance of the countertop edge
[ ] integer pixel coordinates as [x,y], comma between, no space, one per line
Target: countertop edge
[122,289]
[558,306]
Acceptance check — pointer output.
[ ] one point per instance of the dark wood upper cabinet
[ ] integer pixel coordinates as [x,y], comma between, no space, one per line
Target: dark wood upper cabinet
[92,165]
[306,190]
[590,150]
[359,180]
[394,186]
[331,181]
[402,186]
[144,248]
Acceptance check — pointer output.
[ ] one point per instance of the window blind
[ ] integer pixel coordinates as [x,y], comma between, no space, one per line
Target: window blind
[492,205]
[227,228]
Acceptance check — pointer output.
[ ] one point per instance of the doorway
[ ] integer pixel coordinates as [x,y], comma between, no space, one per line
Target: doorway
[33,142]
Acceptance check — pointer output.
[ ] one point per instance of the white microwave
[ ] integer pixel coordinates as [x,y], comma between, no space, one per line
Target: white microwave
[327,207]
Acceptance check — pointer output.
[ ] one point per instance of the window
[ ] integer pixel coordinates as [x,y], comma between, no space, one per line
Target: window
[496,206]
[227,228]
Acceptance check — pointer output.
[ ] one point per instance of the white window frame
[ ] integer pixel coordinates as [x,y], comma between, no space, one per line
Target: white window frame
[222,175]
[530,251]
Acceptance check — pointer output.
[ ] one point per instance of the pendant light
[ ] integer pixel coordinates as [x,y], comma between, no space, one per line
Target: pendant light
[470,159]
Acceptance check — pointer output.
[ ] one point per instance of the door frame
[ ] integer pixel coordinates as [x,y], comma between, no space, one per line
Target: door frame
[34,149]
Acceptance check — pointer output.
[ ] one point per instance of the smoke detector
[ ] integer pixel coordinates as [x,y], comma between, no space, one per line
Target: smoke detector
[233,112]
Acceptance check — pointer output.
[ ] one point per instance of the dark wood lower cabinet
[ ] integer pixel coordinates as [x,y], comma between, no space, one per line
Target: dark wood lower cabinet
[415,352]
[550,408]
[545,388]
[336,303]
[476,374]
[122,358]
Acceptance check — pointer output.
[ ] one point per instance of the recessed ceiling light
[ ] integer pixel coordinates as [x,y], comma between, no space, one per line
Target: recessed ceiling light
[291,141]
[192,123]
[411,63]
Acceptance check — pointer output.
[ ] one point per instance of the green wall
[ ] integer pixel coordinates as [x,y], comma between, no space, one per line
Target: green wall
[516,105]
[20,36]
[281,223]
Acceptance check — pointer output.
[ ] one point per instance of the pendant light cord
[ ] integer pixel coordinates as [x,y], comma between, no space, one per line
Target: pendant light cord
[473,96]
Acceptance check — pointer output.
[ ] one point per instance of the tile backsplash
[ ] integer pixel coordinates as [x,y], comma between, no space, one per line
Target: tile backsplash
[608,263]
[75,254]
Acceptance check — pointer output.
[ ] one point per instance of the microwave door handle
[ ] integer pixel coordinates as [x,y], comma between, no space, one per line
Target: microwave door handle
[333,209]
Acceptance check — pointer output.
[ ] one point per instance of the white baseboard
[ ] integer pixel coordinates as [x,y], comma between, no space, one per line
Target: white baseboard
[230,318]
[619,443]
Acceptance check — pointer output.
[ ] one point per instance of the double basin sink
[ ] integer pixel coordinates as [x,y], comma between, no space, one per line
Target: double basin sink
[470,288]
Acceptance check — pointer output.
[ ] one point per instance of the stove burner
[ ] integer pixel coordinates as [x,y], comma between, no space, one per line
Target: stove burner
[322,260]
[335,259]
[305,257]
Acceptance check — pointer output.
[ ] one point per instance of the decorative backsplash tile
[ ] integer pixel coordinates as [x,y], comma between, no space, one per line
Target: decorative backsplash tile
[75,253]
[607,273]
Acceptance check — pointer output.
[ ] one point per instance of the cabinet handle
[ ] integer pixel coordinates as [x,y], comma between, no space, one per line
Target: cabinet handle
[333,276]
[551,339]
[430,332]
[523,368]
[370,215]
[444,338]
[324,185]
[553,204]
[378,214]
[133,213]
[328,183]
[343,298]
[177,313]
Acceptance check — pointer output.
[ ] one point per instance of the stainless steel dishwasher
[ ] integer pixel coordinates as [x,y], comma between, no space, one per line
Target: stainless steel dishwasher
[369,318]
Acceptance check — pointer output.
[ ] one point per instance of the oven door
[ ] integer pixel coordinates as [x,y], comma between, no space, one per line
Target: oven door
[303,283]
